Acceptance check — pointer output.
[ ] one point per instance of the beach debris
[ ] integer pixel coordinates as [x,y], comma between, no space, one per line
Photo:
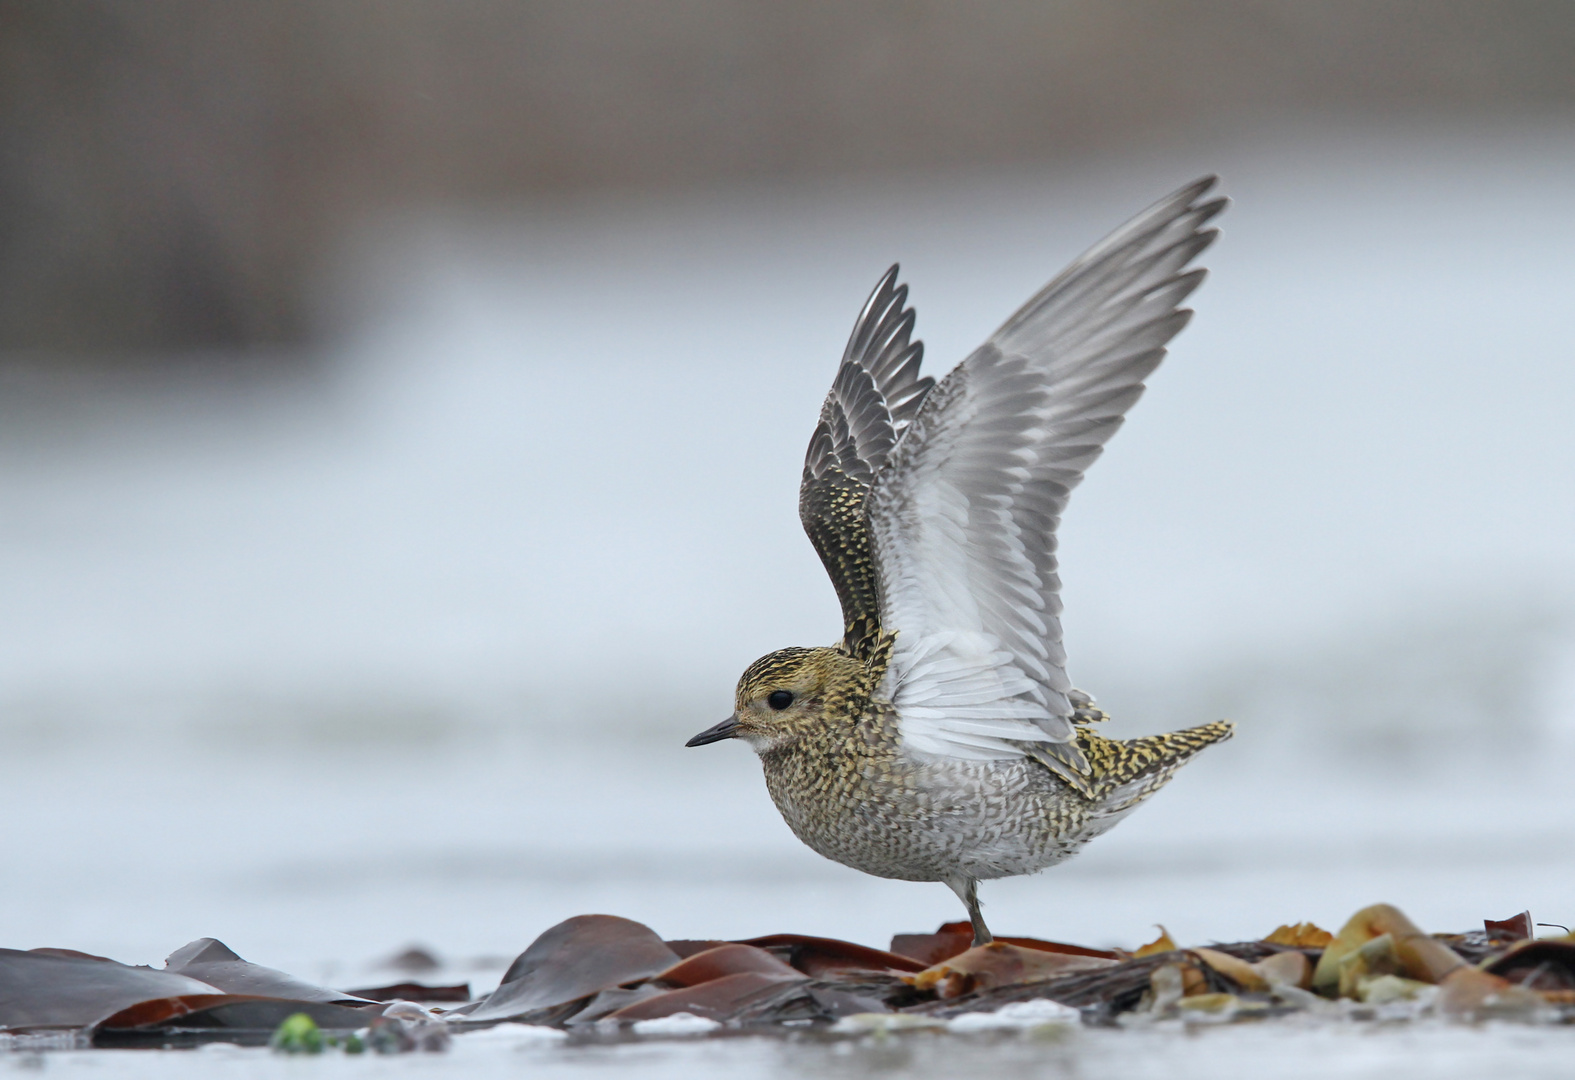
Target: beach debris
[1161,944]
[298,1034]
[595,975]
[1386,989]
[405,1026]
[1289,968]
[728,959]
[713,983]
[1380,940]
[718,999]
[1245,975]
[956,938]
[573,961]
[410,991]
[57,988]
[1471,995]
[1302,935]
[820,957]
[1546,966]
[211,961]
[986,967]
[1514,928]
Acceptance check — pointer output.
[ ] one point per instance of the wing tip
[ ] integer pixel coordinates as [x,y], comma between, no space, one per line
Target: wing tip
[1183,203]
[887,294]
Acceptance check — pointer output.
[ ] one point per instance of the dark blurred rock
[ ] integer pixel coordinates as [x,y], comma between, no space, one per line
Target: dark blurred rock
[415,960]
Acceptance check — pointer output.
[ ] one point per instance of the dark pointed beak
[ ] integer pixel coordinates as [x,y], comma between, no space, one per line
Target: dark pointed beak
[727,729]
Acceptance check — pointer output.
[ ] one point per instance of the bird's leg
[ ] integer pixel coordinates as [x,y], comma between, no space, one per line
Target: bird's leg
[967,891]
[981,932]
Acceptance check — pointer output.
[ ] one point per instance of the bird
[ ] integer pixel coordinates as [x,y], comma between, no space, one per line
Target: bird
[940,739]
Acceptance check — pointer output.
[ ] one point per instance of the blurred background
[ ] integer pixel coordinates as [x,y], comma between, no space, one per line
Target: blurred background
[402,407]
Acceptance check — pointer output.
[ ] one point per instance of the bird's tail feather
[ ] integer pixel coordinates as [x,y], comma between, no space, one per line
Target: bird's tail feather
[1127,771]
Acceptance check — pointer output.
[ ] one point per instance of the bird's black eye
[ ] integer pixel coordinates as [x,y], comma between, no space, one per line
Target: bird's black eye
[780,699]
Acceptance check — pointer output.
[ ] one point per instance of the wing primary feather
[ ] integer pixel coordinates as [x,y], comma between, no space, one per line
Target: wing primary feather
[963,509]
[874,396]
[873,314]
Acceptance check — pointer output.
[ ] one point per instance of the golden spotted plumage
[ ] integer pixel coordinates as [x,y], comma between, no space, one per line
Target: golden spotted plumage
[836,769]
[934,510]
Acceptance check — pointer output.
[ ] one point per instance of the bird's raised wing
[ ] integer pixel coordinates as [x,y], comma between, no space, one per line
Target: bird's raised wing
[963,515]
[873,399]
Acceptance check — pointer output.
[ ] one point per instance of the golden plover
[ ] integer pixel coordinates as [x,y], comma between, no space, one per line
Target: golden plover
[941,740]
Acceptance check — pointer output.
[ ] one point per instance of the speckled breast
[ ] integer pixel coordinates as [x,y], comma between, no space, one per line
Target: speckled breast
[891,816]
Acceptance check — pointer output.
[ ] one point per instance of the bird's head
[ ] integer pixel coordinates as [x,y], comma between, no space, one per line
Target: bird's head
[783,696]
